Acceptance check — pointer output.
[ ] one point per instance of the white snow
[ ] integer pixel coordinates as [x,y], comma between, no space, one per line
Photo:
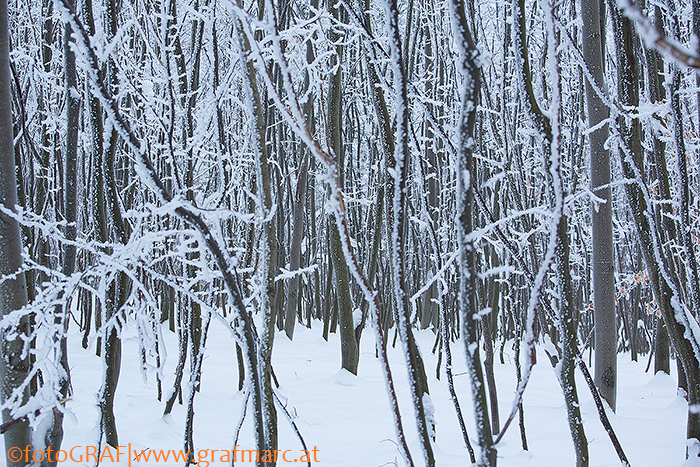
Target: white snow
[347,417]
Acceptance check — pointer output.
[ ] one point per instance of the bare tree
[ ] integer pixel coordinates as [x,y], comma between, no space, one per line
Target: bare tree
[601,210]
[471,82]
[14,364]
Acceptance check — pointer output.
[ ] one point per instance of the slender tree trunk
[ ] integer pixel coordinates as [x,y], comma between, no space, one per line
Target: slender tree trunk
[486,330]
[374,253]
[569,346]
[430,298]
[471,85]
[14,366]
[290,317]
[54,435]
[417,379]
[118,290]
[664,214]
[549,127]
[268,244]
[349,347]
[299,209]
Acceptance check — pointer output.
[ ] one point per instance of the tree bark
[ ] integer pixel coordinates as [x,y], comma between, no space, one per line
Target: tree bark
[14,366]
[348,344]
[399,173]
[601,211]
[471,76]
[54,435]
[268,244]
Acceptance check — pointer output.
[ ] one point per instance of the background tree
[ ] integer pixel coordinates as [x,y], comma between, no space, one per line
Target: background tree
[601,211]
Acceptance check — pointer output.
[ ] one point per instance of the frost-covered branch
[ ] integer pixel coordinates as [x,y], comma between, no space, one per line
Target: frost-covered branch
[655,39]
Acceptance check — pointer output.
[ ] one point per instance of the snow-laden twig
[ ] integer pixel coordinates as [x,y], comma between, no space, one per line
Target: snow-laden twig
[438,275]
[285,274]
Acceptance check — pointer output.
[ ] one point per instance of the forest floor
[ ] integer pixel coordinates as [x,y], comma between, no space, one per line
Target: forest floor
[346,418]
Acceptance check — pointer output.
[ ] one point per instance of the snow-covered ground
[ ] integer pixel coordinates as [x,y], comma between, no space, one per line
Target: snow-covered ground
[347,418]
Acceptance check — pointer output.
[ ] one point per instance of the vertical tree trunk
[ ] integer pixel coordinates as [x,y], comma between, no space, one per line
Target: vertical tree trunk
[349,348]
[471,85]
[569,346]
[299,208]
[430,307]
[487,329]
[549,127]
[416,378]
[601,212]
[664,214]
[14,366]
[54,435]
[268,244]
[567,321]
[290,317]
[118,290]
